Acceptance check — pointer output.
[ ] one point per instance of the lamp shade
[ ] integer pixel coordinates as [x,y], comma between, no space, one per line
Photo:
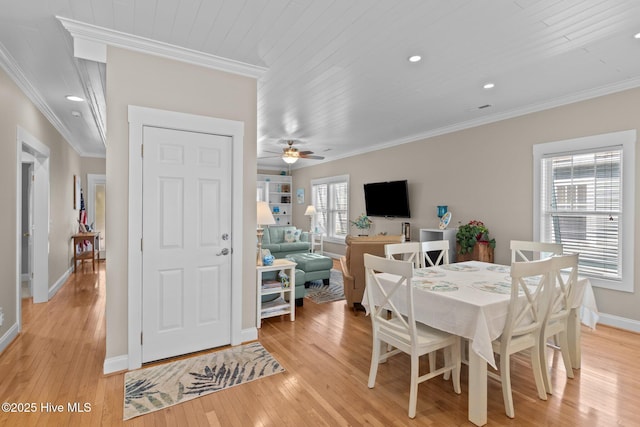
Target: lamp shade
[311,210]
[264,217]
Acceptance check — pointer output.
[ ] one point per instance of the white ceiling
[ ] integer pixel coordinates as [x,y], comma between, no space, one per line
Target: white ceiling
[337,76]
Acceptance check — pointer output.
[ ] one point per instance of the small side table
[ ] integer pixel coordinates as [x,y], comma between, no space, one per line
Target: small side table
[317,241]
[278,306]
[84,255]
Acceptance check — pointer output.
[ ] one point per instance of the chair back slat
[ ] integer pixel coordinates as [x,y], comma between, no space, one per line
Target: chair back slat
[440,246]
[565,276]
[383,300]
[530,251]
[407,251]
[529,298]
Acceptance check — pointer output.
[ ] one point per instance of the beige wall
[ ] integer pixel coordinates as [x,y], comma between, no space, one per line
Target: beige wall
[17,110]
[91,165]
[486,173]
[148,81]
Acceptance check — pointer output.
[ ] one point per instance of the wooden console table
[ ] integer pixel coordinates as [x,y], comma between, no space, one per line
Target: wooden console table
[89,254]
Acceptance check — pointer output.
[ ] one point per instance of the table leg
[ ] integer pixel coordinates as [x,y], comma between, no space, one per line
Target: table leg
[292,293]
[477,388]
[573,337]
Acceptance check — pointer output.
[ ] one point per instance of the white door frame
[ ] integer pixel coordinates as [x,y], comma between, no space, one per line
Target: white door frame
[92,180]
[139,117]
[25,142]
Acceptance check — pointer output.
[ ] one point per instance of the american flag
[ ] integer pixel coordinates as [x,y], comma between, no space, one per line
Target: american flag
[82,219]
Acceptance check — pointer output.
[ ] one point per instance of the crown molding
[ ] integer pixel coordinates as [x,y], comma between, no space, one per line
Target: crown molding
[585,95]
[13,70]
[94,40]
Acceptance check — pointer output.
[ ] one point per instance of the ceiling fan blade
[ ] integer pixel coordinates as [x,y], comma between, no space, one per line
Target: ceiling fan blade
[304,153]
[312,157]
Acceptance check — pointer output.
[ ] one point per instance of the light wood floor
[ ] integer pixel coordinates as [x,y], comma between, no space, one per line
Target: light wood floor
[58,359]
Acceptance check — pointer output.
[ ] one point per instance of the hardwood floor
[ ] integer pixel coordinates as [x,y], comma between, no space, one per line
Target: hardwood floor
[58,359]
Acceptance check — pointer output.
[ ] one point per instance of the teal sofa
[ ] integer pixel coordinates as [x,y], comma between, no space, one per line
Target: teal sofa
[285,240]
[275,240]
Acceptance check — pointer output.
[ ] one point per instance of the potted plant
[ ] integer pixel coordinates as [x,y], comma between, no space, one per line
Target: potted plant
[363,224]
[474,243]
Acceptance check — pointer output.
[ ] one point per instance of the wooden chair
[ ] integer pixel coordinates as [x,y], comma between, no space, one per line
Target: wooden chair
[427,249]
[401,332]
[528,251]
[523,326]
[407,251]
[564,277]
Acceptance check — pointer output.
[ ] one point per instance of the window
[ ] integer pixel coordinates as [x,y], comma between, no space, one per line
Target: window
[583,198]
[330,196]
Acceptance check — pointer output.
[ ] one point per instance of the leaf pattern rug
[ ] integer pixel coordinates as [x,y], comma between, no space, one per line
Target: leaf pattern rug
[157,387]
[320,293]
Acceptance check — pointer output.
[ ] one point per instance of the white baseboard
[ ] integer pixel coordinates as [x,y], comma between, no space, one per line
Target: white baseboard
[249,334]
[8,337]
[115,364]
[619,322]
[61,281]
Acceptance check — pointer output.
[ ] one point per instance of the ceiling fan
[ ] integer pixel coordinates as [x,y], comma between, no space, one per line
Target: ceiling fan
[290,154]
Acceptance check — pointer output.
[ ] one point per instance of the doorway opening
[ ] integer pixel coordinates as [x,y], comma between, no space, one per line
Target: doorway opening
[35,154]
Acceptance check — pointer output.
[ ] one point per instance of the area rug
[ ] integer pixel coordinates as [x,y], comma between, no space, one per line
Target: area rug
[320,293]
[157,387]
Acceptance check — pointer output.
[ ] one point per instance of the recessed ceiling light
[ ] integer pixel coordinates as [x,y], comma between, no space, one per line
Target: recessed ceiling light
[489,86]
[415,58]
[637,36]
[74,98]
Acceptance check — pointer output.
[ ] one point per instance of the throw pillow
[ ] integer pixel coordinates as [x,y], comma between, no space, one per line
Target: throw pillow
[296,235]
[289,236]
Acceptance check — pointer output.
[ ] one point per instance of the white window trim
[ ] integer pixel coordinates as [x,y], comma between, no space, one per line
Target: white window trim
[330,180]
[626,139]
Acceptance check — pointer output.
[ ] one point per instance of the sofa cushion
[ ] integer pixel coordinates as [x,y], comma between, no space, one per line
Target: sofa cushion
[291,236]
[294,247]
[276,234]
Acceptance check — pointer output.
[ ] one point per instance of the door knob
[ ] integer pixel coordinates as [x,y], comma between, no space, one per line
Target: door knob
[224,251]
[26,235]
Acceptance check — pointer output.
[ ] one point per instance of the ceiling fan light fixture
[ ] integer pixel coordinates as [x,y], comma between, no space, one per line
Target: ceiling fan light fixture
[289,159]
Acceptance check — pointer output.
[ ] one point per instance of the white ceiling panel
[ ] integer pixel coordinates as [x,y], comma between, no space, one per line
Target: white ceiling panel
[337,77]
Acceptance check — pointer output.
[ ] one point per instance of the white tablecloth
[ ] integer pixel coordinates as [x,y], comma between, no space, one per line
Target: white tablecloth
[471,300]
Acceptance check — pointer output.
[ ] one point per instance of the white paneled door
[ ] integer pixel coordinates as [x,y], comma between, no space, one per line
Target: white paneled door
[186,257]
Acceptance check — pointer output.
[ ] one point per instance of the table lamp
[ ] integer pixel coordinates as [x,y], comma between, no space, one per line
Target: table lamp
[310,212]
[264,217]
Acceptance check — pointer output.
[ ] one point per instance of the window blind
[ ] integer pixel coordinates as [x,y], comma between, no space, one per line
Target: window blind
[581,203]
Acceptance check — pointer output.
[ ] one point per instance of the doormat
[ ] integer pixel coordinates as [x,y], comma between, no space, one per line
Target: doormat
[157,387]
[320,293]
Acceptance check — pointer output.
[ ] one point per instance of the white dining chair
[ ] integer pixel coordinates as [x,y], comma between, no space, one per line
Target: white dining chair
[401,332]
[435,249]
[528,251]
[563,280]
[523,326]
[406,251]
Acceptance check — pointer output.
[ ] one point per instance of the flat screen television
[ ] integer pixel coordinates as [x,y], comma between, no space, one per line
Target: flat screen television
[388,199]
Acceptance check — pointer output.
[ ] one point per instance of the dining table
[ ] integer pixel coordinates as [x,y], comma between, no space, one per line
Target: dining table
[471,299]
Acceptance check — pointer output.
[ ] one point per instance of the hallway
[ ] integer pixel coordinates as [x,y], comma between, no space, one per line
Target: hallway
[57,359]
